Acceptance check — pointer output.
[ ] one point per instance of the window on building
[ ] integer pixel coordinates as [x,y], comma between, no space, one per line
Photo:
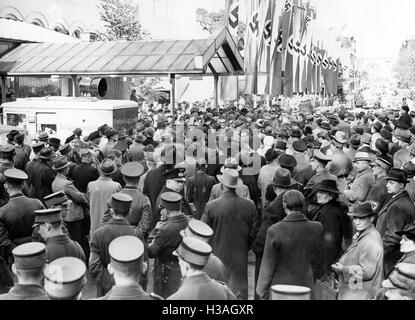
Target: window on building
[61,29]
[76,34]
[39,23]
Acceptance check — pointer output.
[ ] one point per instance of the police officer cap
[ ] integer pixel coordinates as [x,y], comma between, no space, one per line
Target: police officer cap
[132,169]
[171,200]
[54,142]
[194,251]
[15,174]
[175,173]
[198,229]
[121,202]
[125,253]
[48,215]
[29,256]
[65,277]
[7,149]
[55,199]
[299,146]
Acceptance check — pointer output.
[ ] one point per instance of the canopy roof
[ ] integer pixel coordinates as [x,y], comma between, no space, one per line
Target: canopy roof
[218,55]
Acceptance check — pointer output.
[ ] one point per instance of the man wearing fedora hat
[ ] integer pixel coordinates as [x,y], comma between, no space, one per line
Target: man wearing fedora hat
[395,216]
[193,255]
[273,213]
[338,143]
[218,189]
[99,191]
[234,222]
[336,224]
[402,156]
[42,176]
[363,181]
[136,148]
[77,217]
[112,136]
[23,152]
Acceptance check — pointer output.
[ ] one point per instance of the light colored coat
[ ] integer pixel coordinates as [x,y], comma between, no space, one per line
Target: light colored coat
[360,187]
[217,192]
[365,252]
[401,157]
[266,176]
[98,193]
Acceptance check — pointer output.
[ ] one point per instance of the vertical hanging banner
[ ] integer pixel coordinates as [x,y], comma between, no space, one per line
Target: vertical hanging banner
[305,49]
[292,51]
[232,11]
[325,69]
[265,26]
[318,69]
[251,47]
[310,73]
[298,27]
[277,48]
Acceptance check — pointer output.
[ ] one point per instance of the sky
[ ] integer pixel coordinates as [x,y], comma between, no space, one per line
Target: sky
[379,26]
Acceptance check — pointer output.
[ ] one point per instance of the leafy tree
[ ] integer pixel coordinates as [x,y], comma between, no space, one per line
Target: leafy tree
[404,69]
[120,21]
[215,21]
[147,89]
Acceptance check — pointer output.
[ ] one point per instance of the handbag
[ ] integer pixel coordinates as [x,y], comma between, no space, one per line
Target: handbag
[326,288]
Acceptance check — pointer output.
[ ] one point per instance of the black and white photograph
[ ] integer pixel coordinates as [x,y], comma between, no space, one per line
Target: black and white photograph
[235,151]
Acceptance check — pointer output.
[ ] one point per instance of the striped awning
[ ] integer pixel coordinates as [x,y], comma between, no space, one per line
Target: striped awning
[218,55]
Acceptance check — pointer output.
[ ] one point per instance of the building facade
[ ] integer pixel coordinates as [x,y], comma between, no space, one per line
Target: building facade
[71,17]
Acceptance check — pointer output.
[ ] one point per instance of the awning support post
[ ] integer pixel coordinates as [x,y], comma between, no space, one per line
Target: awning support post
[216,77]
[3,89]
[172,77]
[73,85]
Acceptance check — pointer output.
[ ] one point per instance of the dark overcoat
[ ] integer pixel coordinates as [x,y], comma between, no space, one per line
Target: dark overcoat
[62,246]
[202,287]
[167,238]
[293,248]
[394,217]
[100,257]
[337,226]
[234,222]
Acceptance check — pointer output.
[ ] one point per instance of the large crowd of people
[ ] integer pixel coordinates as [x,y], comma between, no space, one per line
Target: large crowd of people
[316,196]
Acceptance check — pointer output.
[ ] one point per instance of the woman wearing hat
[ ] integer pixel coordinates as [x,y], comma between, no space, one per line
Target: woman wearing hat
[336,224]
[360,269]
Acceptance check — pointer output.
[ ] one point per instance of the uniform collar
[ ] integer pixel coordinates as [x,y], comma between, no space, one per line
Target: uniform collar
[27,290]
[296,216]
[120,292]
[17,195]
[60,238]
[196,279]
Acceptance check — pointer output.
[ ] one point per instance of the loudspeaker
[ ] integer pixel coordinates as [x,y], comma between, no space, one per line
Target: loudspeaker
[97,87]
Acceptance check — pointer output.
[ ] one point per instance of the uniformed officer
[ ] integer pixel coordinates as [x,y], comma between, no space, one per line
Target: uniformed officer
[175,180]
[65,279]
[101,239]
[166,239]
[127,266]
[8,152]
[214,268]
[57,243]
[17,216]
[141,213]
[193,256]
[29,262]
